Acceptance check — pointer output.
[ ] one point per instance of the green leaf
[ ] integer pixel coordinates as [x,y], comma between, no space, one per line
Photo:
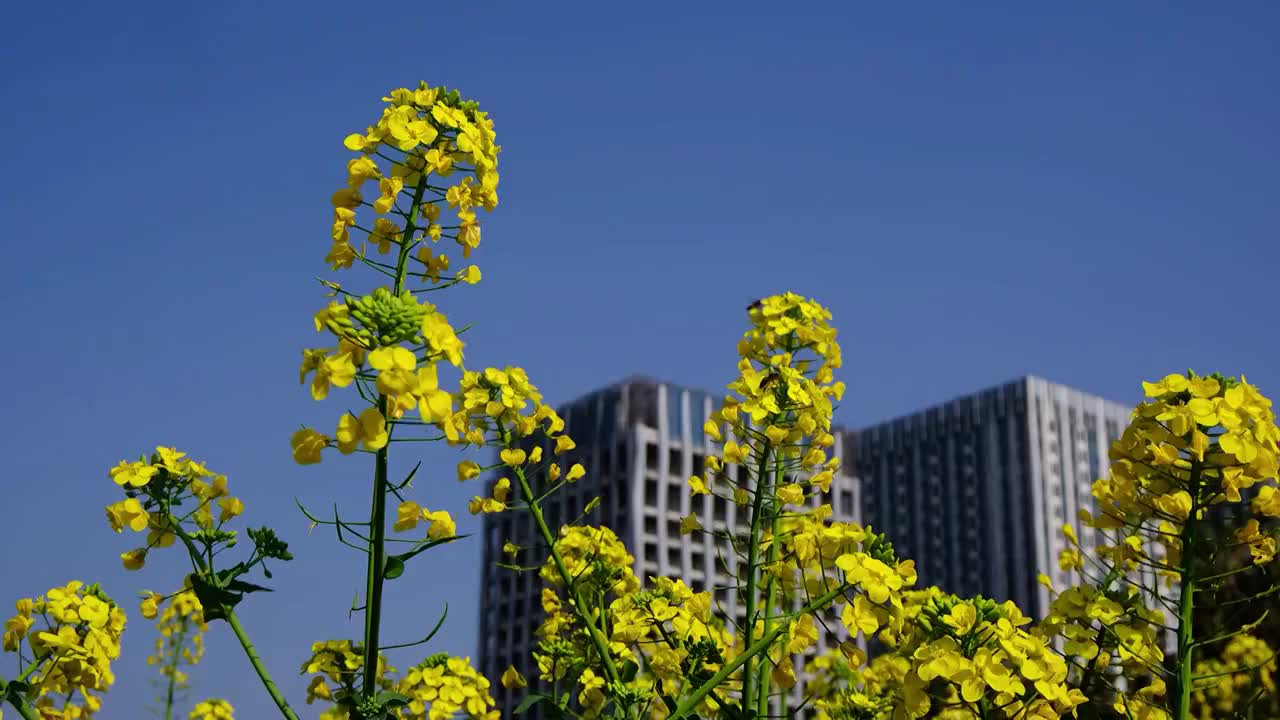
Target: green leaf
[409,478]
[214,600]
[529,701]
[629,671]
[15,689]
[387,700]
[227,575]
[268,545]
[241,586]
[394,566]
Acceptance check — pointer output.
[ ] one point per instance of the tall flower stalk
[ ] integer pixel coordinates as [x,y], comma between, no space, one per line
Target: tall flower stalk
[1198,445]
[431,151]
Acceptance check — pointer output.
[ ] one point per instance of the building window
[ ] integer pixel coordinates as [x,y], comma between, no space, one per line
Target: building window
[675,424]
[675,462]
[673,556]
[642,404]
[846,503]
[651,524]
[1095,457]
[674,495]
[651,457]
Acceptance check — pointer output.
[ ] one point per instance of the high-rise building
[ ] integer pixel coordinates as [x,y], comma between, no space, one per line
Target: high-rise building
[640,441]
[977,489]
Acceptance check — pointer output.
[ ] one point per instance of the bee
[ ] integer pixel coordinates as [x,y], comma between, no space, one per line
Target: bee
[755,305]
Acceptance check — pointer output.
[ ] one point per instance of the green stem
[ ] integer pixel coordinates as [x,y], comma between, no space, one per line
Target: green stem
[598,639]
[692,700]
[378,513]
[18,702]
[374,570]
[234,622]
[753,558]
[172,672]
[258,667]
[1186,598]
[762,688]
[1086,681]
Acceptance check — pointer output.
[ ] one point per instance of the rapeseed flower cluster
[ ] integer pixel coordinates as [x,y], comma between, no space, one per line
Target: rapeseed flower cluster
[1197,443]
[441,152]
[1245,669]
[1110,630]
[66,641]
[975,655]
[163,494]
[845,686]
[429,151]
[440,687]
[443,687]
[180,621]
[782,401]
[212,709]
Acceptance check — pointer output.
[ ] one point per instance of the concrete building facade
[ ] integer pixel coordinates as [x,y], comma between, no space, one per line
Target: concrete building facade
[977,489]
[640,441]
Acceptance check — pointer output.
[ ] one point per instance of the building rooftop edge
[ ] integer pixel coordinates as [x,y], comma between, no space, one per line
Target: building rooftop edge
[644,379]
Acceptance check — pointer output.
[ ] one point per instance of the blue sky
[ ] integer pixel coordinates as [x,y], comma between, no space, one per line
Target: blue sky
[1082,193]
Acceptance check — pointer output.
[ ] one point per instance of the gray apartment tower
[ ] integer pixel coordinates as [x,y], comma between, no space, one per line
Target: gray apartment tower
[975,490]
[640,441]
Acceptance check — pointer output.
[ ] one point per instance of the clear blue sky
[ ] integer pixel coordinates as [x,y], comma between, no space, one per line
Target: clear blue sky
[1087,194]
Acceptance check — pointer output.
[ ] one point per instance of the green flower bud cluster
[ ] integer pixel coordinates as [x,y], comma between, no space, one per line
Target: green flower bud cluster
[95,590]
[877,545]
[213,537]
[452,98]
[630,696]
[268,544]
[435,660]
[701,653]
[932,614]
[562,652]
[380,319]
